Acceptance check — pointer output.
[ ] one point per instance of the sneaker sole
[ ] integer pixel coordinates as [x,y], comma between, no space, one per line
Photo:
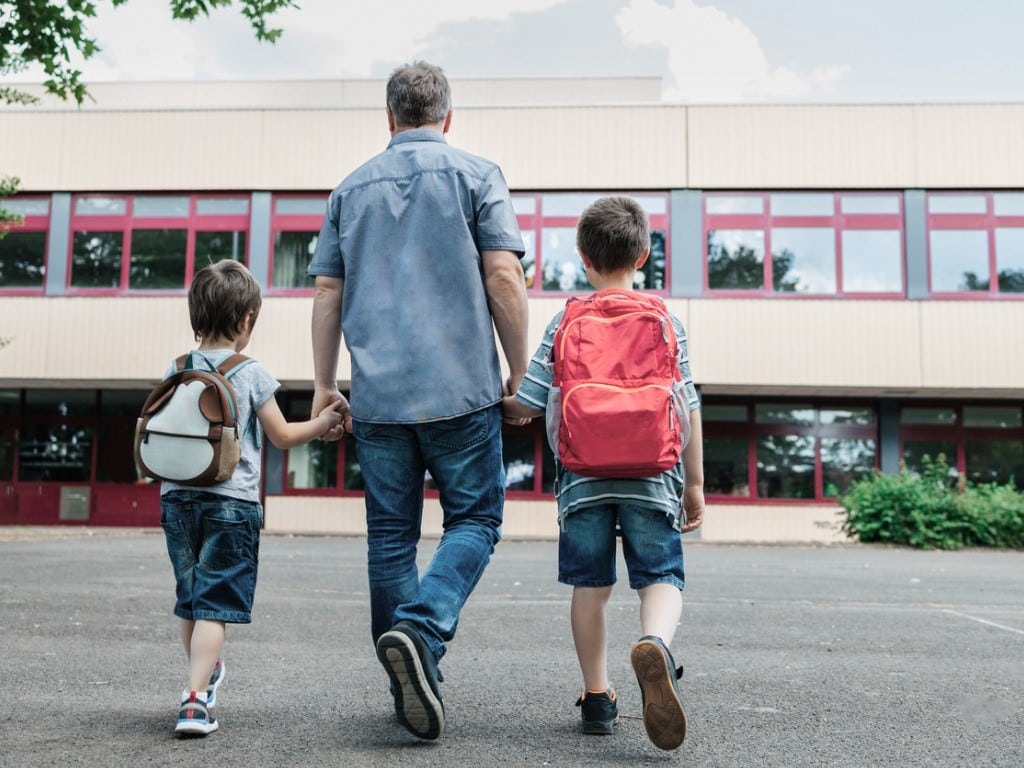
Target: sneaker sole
[418,709]
[196,727]
[211,693]
[598,728]
[664,717]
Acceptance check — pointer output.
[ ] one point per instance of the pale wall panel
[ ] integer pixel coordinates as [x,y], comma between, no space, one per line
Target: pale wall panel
[805,343]
[969,147]
[31,149]
[613,148]
[973,345]
[724,523]
[801,146]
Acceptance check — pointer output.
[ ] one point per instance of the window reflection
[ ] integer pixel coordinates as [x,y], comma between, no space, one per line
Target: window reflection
[844,462]
[58,453]
[995,461]
[735,260]
[518,454]
[1010,259]
[22,259]
[785,467]
[212,247]
[562,266]
[959,260]
[157,259]
[872,261]
[96,259]
[726,466]
[804,260]
[292,252]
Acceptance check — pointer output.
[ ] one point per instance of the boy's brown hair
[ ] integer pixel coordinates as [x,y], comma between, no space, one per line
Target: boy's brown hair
[220,297]
[613,232]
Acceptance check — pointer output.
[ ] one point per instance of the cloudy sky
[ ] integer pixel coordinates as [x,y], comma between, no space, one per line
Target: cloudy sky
[704,50]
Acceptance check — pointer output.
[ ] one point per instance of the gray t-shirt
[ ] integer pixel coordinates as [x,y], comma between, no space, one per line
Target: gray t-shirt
[253,386]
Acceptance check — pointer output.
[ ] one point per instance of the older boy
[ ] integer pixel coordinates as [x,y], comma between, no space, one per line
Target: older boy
[613,239]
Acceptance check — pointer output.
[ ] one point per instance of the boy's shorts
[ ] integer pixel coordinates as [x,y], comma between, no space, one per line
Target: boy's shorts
[213,542]
[652,548]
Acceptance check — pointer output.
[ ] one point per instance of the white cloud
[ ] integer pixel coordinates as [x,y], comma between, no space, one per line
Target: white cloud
[713,57]
[322,39]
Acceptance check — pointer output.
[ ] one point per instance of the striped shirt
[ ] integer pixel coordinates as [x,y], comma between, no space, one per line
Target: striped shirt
[574,492]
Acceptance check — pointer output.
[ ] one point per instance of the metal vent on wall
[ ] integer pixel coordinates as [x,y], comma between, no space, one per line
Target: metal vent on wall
[74,502]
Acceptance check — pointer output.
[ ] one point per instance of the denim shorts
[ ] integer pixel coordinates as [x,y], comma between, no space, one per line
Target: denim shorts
[213,542]
[651,547]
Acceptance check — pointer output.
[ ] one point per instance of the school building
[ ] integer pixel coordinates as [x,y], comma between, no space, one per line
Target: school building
[850,276]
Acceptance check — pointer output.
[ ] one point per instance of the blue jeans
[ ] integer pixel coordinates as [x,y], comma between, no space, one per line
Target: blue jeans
[213,542]
[463,456]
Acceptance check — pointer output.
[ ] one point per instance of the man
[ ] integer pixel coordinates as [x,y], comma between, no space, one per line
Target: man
[418,262]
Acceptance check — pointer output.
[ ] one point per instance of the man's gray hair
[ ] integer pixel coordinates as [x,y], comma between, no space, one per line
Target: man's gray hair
[419,94]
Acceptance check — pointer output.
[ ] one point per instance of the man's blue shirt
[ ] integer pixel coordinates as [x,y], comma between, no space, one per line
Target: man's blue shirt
[405,232]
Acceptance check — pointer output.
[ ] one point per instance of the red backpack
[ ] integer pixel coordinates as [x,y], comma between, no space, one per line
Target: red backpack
[617,407]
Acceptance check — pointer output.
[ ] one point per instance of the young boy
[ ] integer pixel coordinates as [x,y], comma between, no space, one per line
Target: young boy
[613,240]
[213,532]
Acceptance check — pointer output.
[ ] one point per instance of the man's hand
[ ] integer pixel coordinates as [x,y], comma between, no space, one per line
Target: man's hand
[323,398]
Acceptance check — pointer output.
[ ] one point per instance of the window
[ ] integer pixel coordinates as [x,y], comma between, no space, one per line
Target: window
[983,442]
[23,248]
[314,468]
[524,449]
[808,243]
[976,243]
[784,450]
[295,227]
[548,223]
[152,242]
[56,442]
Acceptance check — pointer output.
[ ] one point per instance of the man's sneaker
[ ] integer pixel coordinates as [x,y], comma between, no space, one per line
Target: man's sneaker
[216,679]
[657,674]
[600,711]
[194,717]
[413,672]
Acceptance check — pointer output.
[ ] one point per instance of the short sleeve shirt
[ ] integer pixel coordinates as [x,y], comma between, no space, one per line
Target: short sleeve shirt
[405,232]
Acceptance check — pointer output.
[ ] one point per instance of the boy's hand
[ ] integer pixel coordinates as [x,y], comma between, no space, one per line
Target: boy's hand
[508,407]
[693,508]
[324,400]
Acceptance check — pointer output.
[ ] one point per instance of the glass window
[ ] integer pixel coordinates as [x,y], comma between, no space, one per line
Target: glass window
[8,438]
[814,250]
[869,204]
[164,238]
[995,461]
[353,474]
[60,402]
[872,261]
[735,260]
[313,465]
[96,259]
[1008,203]
[770,413]
[157,259]
[804,260]
[292,252]
[723,412]
[846,416]
[785,467]
[726,467]
[57,453]
[529,260]
[844,462]
[943,416]
[1000,417]
[518,454]
[27,206]
[941,203]
[915,451]
[797,204]
[22,259]
[10,402]
[959,260]
[1009,259]
[563,268]
[301,206]
[739,204]
[523,204]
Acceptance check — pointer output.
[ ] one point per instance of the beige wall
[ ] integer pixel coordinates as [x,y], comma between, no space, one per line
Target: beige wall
[544,140]
[813,346]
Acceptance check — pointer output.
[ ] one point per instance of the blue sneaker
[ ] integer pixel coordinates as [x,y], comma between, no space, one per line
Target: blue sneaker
[599,711]
[194,718]
[657,674]
[414,680]
[216,679]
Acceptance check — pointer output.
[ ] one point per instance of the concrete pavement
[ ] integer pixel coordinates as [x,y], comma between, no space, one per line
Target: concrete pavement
[795,656]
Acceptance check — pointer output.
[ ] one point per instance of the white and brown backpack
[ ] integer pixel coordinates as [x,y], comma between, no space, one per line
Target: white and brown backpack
[188,431]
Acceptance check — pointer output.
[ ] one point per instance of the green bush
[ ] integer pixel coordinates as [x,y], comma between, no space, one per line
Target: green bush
[928,510]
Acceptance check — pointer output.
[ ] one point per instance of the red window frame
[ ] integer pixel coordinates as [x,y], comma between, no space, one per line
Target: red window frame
[124,223]
[31,223]
[987,222]
[838,221]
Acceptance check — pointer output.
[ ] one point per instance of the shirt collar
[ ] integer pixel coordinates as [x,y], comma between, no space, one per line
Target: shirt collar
[417,134]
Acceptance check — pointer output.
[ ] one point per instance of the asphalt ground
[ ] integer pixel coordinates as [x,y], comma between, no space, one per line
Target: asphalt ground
[795,656]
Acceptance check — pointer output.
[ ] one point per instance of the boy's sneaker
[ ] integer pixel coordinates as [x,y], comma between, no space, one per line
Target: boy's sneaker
[414,677]
[194,717]
[600,711]
[215,680]
[657,674]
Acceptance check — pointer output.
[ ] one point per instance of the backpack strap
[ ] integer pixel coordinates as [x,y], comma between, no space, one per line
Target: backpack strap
[232,364]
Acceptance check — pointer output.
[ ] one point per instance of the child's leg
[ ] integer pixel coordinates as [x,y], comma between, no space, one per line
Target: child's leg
[661,606]
[204,649]
[590,636]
